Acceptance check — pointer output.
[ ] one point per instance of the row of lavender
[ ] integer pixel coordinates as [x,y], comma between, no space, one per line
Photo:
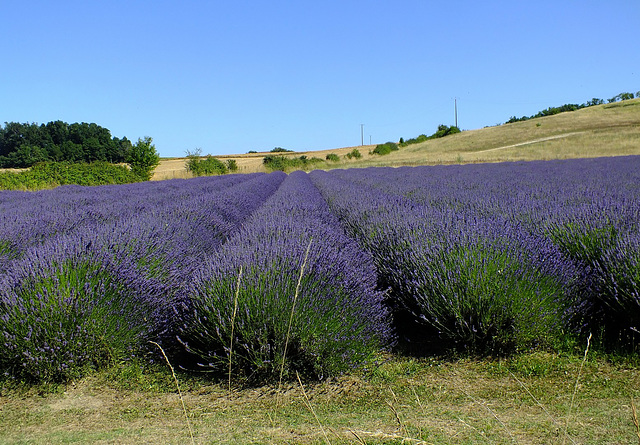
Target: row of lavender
[502,256]
[88,275]
[273,275]
[289,292]
[249,271]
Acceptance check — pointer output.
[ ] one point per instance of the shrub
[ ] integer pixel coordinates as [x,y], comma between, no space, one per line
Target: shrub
[52,174]
[487,300]
[332,157]
[283,163]
[205,167]
[275,162]
[456,279]
[355,153]
[444,130]
[421,138]
[66,309]
[386,148]
[232,165]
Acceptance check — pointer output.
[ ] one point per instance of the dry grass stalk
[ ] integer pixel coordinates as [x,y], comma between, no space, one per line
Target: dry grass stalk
[175,379]
[308,403]
[575,389]
[385,436]
[358,438]
[635,419]
[401,427]
[293,307]
[418,399]
[540,405]
[233,320]
[495,416]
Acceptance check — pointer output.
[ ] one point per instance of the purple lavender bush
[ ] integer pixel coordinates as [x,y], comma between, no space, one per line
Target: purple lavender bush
[488,287]
[67,308]
[338,321]
[620,291]
[606,252]
[456,279]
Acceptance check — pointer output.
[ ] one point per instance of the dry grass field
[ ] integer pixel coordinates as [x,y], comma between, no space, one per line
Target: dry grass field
[171,168]
[532,399]
[603,130]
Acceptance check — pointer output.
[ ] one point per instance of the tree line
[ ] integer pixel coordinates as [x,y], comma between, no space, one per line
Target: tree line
[573,107]
[25,144]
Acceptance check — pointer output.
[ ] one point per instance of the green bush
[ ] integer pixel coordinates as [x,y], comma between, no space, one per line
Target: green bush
[421,138]
[283,163]
[275,162]
[232,165]
[354,154]
[444,130]
[205,167]
[332,157]
[52,174]
[385,149]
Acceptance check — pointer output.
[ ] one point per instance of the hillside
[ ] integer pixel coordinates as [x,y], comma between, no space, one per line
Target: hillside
[602,130]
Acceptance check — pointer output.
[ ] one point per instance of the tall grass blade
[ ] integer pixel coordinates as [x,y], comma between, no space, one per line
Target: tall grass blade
[293,307]
[233,320]
[553,419]
[308,403]
[495,416]
[575,390]
[635,419]
[175,379]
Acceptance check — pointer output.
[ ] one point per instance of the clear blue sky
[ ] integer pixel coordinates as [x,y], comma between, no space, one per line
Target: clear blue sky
[240,75]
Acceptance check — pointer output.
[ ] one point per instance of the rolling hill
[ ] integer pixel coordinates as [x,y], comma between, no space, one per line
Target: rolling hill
[603,130]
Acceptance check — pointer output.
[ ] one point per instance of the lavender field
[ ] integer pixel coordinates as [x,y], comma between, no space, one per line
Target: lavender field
[318,273]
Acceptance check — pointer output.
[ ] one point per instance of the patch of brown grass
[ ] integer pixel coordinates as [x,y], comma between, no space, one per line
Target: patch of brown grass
[418,401]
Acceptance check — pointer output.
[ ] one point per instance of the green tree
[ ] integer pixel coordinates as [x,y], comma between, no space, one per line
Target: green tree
[143,158]
[594,101]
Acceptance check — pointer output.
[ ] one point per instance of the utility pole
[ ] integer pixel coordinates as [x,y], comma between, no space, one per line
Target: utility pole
[455,104]
[361,134]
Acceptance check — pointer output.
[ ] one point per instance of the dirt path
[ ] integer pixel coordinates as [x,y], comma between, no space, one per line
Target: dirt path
[535,141]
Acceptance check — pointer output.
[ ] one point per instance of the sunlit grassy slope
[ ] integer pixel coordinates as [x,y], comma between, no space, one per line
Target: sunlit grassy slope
[603,130]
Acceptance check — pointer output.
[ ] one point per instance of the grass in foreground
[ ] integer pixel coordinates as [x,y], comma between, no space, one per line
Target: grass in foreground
[528,399]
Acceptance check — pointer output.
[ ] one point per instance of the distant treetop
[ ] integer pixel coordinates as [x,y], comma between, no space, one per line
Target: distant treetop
[23,145]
